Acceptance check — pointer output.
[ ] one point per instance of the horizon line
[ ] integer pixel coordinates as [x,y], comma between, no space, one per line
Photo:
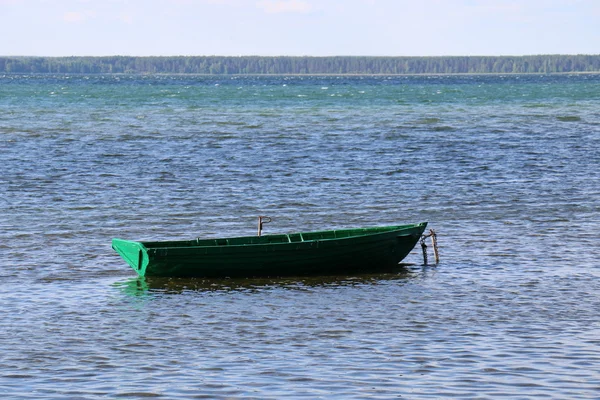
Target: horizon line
[303,56]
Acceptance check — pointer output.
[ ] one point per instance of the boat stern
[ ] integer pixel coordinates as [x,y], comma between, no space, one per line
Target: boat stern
[134,253]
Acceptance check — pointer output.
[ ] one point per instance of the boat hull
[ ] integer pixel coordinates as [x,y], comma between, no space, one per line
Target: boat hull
[301,254]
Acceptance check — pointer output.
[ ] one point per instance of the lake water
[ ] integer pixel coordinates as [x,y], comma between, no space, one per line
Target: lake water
[505,168]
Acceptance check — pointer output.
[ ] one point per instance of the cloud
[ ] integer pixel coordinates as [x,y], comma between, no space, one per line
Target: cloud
[125,18]
[284,6]
[209,2]
[78,16]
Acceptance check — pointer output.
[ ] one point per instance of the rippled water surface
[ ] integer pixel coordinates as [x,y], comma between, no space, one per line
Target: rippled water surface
[505,168]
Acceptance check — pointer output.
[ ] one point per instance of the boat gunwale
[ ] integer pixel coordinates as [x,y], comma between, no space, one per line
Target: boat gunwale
[364,232]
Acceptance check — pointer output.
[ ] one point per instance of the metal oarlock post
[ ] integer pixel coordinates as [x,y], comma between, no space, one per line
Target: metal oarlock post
[262,220]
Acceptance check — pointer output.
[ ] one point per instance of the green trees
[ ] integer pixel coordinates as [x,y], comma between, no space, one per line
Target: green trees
[221,65]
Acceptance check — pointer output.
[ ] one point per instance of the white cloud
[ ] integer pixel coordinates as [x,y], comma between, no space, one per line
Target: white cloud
[125,18]
[78,16]
[209,2]
[284,6]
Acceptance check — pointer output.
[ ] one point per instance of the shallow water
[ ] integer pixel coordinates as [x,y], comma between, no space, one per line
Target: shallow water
[504,168]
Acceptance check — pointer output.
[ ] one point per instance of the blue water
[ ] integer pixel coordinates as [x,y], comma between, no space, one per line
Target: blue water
[505,168]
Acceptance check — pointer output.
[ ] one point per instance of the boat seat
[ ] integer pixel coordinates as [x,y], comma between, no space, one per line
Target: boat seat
[295,237]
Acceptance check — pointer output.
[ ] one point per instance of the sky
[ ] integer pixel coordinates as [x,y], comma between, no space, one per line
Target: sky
[298,27]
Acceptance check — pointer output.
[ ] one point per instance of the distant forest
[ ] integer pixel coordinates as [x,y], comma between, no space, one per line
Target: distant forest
[222,65]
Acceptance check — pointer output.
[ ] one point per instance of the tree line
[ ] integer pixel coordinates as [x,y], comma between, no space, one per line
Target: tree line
[227,65]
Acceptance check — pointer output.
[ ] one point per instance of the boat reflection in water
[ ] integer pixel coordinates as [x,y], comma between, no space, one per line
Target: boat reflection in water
[141,286]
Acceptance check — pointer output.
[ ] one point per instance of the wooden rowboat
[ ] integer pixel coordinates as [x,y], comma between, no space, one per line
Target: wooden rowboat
[297,254]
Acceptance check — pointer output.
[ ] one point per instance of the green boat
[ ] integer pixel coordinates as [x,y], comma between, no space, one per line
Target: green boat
[297,254]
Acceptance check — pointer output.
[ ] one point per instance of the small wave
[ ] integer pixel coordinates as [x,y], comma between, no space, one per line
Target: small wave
[431,120]
[232,123]
[537,105]
[568,118]
[443,128]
